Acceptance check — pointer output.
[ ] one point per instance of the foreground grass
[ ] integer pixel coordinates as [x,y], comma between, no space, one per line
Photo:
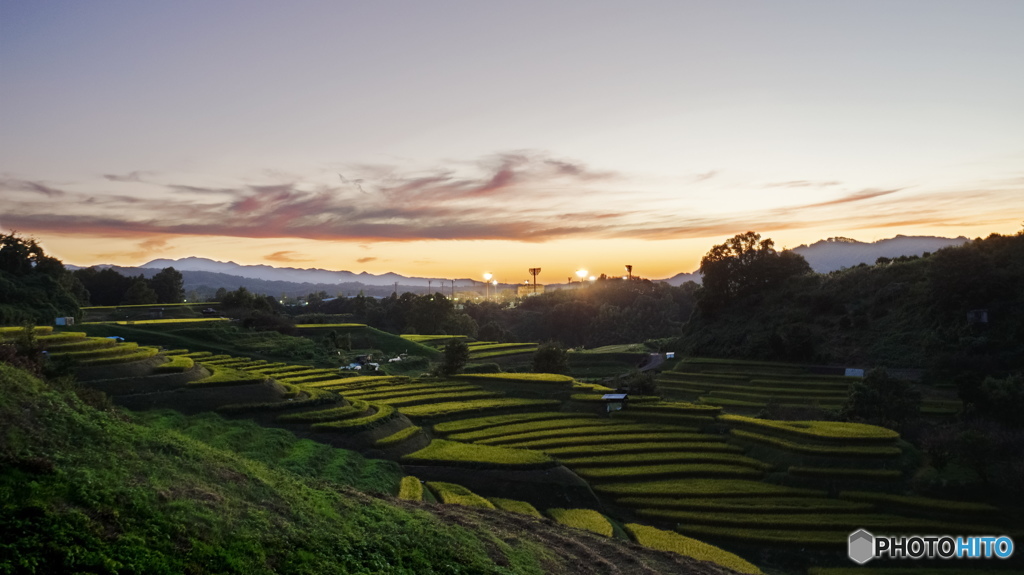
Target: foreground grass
[100,491]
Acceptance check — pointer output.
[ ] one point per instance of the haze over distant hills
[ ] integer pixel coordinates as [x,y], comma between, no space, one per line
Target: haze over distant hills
[823,256]
[300,275]
[837,253]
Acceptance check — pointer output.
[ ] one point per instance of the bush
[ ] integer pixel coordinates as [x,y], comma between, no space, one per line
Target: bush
[882,400]
[550,358]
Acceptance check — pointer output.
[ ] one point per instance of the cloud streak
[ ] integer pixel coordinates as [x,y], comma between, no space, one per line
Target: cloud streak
[286,256]
[518,196]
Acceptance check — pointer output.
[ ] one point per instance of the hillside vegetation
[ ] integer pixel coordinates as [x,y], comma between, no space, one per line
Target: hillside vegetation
[907,312]
[86,488]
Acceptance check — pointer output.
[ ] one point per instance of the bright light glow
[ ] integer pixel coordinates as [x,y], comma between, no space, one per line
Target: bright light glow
[581,273]
[494,282]
[488,276]
[592,278]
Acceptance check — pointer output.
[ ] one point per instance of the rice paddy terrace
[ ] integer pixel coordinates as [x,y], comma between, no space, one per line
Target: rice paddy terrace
[687,474]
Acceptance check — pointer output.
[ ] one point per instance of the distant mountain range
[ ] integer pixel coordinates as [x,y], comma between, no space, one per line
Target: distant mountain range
[209,275]
[837,253]
[299,275]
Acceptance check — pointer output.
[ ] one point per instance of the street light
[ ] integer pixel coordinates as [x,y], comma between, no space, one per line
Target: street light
[487,280]
[581,273]
[495,290]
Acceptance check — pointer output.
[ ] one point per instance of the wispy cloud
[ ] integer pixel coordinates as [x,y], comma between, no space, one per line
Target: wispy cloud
[38,187]
[366,260]
[135,176]
[520,196]
[855,197]
[802,184]
[286,256]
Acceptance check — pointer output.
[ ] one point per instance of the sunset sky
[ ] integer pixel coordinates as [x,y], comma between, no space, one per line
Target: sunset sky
[447,139]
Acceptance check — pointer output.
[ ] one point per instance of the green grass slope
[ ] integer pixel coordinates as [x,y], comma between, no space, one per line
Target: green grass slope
[96,490]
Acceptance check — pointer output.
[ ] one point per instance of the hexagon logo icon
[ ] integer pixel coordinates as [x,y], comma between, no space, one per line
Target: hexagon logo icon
[861,547]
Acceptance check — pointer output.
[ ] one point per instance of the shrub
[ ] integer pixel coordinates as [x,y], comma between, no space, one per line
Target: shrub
[550,358]
[587,519]
[677,543]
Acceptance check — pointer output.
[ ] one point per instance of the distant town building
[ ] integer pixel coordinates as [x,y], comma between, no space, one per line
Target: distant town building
[528,289]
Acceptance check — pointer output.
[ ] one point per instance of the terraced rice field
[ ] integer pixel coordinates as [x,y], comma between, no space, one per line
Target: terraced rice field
[698,476]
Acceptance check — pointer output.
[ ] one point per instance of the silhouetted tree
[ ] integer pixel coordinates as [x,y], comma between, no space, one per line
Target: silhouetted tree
[550,358]
[743,265]
[169,286]
[139,293]
[456,355]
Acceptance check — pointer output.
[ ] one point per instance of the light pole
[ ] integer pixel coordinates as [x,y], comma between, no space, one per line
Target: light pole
[581,274]
[495,290]
[487,281]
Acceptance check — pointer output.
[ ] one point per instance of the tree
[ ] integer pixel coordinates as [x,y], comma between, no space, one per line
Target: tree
[550,358]
[34,287]
[744,265]
[169,286]
[882,400]
[456,355]
[106,286]
[139,294]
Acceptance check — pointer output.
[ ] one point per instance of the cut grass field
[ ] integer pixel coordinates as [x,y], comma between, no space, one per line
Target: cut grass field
[452,453]
[677,543]
[703,488]
[828,432]
[460,408]
[482,423]
[515,506]
[452,494]
[587,519]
